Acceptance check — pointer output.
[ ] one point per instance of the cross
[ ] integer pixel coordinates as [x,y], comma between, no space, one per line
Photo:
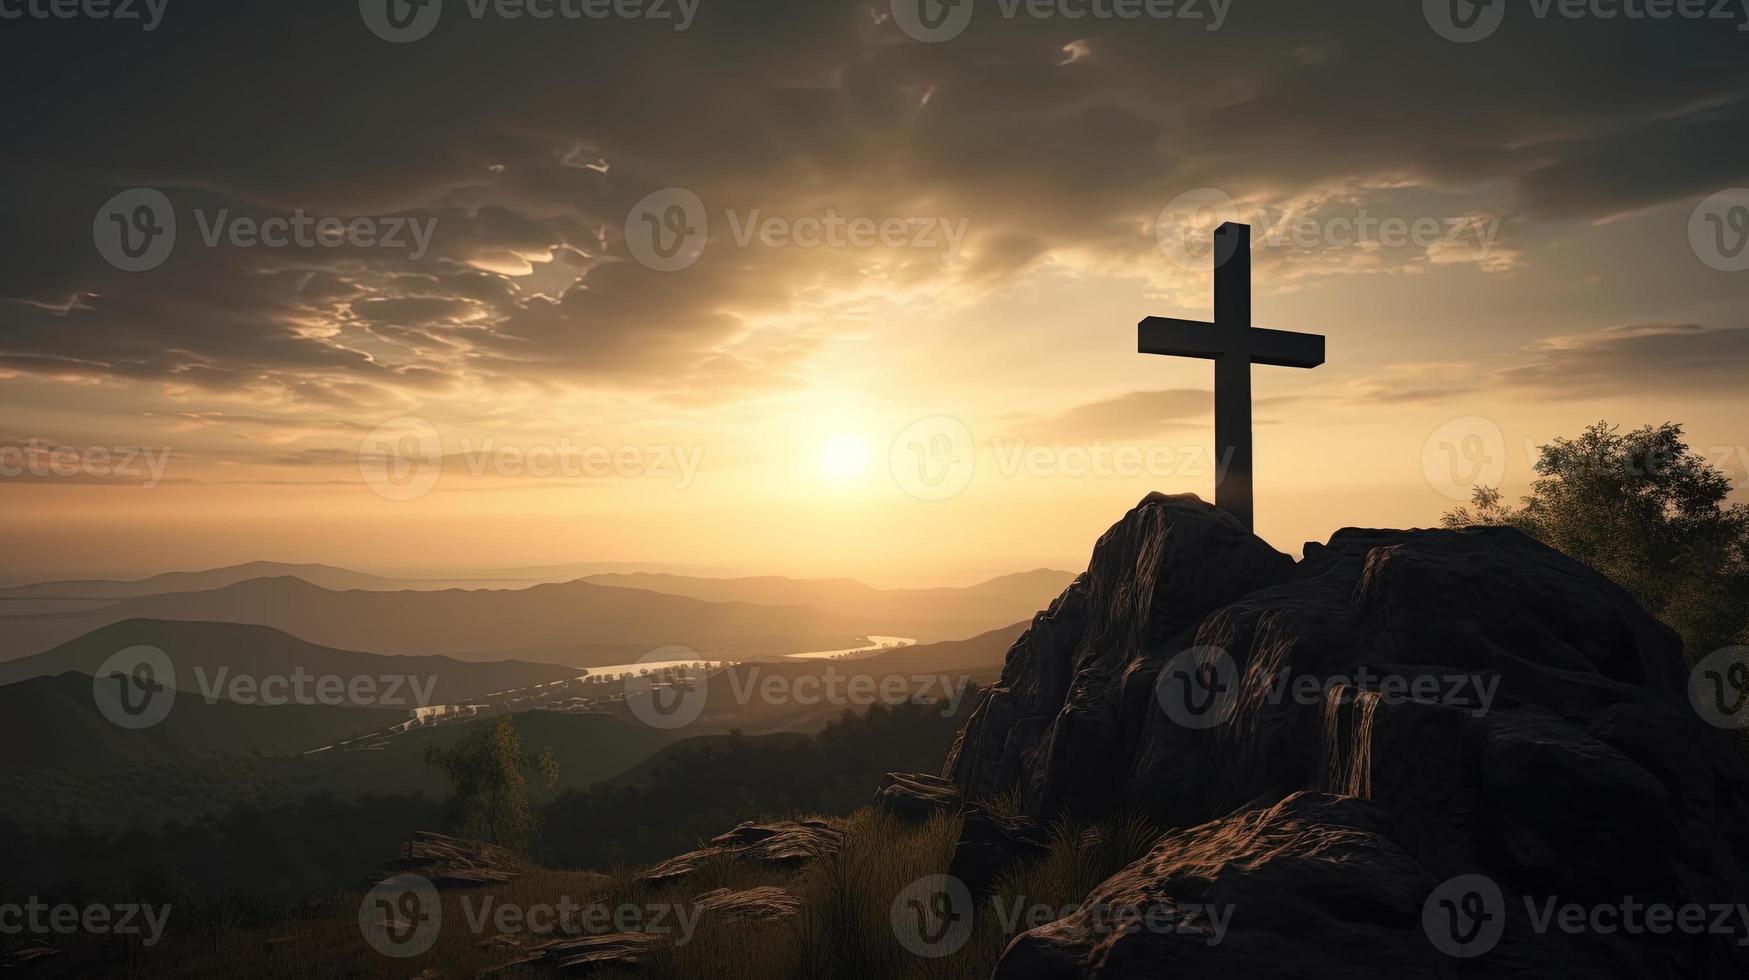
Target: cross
[1234,345]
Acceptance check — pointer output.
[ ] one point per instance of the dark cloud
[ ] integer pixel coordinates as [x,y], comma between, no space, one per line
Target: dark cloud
[1663,359]
[1677,359]
[528,142]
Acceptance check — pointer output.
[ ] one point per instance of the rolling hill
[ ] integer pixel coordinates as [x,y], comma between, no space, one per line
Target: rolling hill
[205,758]
[202,650]
[54,723]
[326,576]
[777,695]
[980,656]
[586,623]
[924,614]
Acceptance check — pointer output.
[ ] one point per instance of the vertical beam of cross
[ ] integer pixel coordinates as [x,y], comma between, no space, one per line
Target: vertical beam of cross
[1233,491]
[1234,345]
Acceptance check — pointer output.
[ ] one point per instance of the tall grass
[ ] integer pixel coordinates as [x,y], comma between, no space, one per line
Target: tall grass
[845,929]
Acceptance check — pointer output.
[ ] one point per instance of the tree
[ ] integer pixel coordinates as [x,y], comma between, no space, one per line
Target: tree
[1649,513]
[488,771]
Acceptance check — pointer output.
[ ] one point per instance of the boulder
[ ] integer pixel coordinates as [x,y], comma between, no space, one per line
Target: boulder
[616,951]
[34,953]
[1052,730]
[1397,710]
[451,862]
[915,797]
[782,842]
[1310,887]
[766,903]
[991,843]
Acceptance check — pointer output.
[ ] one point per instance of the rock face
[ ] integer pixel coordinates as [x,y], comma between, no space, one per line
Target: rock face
[990,843]
[1053,728]
[586,954]
[1347,733]
[915,797]
[452,862]
[783,842]
[766,903]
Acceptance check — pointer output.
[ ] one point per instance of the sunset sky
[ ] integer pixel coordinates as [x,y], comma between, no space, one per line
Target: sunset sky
[767,408]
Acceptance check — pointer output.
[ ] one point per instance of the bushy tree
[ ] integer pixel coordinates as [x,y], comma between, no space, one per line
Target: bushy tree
[488,772]
[1645,510]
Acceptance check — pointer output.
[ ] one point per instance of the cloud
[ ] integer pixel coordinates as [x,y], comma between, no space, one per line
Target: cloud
[1671,359]
[529,142]
[1677,359]
[1132,415]
[1402,384]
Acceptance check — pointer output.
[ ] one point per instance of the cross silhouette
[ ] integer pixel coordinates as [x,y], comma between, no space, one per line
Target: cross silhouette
[1234,345]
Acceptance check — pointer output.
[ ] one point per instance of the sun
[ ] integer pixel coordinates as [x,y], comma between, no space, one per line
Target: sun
[844,456]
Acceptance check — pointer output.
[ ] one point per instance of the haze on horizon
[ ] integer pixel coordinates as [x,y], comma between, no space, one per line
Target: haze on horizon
[764,410]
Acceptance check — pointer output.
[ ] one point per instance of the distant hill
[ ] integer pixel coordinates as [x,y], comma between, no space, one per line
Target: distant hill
[53,723]
[923,614]
[588,747]
[198,762]
[326,576]
[777,695]
[587,623]
[260,651]
[206,757]
[1039,584]
[986,650]
[666,757]
[697,787]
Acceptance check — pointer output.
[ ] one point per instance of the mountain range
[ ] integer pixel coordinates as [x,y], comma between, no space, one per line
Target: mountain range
[208,755]
[53,724]
[608,619]
[205,650]
[326,576]
[925,614]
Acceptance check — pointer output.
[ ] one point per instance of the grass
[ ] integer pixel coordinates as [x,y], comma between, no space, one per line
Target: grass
[846,929]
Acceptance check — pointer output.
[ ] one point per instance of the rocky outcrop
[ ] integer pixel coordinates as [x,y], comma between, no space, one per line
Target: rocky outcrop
[452,862]
[991,843]
[766,903]
[615,951]
[915,797]
[783,842]
[34,953]
[1345,734]
[1053,729]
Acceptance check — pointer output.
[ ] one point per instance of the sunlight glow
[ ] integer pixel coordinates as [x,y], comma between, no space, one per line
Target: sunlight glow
[844,456]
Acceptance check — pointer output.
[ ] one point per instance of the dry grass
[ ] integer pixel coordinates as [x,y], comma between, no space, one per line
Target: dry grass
[844,931]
